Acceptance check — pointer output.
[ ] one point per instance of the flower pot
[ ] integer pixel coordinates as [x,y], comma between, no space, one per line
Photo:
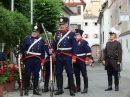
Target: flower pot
[1,89]
[9,86]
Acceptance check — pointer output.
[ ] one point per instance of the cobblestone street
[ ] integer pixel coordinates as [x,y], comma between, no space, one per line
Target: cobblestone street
[97,83]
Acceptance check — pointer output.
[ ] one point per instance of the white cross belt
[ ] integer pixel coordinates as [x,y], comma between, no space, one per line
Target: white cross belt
[65,48]
[81,54]
[33,53]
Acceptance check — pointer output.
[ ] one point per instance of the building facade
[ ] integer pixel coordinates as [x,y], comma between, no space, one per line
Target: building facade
[119,12]
[85,18]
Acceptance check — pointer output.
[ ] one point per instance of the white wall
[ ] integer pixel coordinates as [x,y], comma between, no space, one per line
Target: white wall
[91,29]
[106,27]
[126,52]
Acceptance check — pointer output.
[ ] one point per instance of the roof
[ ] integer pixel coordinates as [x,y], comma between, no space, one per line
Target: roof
[67,9]
[82,2]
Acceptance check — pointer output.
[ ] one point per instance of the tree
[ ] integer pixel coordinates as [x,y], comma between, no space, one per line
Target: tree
[22,6]
[13,26]
[47,12]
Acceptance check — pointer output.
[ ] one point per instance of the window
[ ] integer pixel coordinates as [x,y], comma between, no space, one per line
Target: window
[103,37]
[74,9]
[111,22]
[73,26]
[86,36]
[95,2]
[86,23]
[95,23]
[79,26]
[79,10]
[129,6]
[95,35]
[119,14]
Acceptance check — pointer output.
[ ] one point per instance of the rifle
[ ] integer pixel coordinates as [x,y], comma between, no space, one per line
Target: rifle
[75,89]
[51,80]
[20,75]
[119,75]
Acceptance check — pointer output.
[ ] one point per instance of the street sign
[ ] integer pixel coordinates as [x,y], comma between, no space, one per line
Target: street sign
[124,17]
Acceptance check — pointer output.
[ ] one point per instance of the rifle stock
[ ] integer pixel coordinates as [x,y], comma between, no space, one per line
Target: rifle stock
[20,75]
[75,89]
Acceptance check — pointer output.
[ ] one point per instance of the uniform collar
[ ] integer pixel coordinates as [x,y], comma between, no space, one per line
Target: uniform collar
[113,40]
[63,31]
[79,39]
[34,37]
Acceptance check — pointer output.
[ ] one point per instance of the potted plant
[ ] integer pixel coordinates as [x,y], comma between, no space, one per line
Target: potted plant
[12,75]
[3,79]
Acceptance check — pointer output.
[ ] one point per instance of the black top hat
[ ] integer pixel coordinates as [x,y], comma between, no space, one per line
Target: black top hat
[78,31]
[63,20]
[37,28]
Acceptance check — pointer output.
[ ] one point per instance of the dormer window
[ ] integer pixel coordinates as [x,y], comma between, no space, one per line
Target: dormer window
[79,10]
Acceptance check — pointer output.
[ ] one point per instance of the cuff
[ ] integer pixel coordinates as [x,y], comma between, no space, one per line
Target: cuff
[43,61]
[73,57]
[87,59]
[52,50]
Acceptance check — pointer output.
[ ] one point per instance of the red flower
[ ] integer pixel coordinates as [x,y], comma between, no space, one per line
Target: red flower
[1,71]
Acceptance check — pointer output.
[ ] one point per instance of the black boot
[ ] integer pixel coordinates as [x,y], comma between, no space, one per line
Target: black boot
[27,81]
[85,84]
[78,83]
[109,83]
[116,78]
[46,83]
[67,87]
[71,85]
[35,86]
[59,85]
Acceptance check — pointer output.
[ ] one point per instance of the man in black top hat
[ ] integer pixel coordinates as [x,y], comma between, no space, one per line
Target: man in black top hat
[64,45]
[34,50]
[83,56]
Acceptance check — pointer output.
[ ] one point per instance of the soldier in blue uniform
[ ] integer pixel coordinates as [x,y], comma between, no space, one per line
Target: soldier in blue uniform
[83,56]
[34,50]
[64,45]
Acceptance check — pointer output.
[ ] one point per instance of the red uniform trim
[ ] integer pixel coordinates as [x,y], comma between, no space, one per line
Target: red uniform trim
[73,57]
[47,60]
[42,60]
[81,59]
[87,59]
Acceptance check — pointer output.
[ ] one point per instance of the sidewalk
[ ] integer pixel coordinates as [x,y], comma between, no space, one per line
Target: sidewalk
[97,84]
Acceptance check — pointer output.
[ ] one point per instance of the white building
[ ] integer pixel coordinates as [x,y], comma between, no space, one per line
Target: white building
[85,18]
[103,20]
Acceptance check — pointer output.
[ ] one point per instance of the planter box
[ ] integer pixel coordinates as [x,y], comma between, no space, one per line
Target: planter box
[9,86]
[1,89]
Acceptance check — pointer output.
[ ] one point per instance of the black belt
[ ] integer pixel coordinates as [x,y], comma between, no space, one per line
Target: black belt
[111,57]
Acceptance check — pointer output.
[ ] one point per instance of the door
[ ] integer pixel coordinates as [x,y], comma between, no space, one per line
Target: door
[95,49]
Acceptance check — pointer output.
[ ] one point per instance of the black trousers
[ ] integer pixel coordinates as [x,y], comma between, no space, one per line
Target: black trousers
[111,70]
